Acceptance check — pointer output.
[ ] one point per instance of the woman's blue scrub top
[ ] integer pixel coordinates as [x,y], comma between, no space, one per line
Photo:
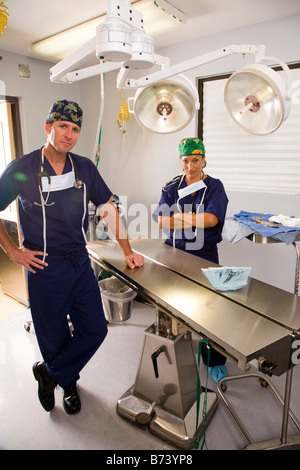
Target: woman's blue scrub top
[215,202]
[64,218]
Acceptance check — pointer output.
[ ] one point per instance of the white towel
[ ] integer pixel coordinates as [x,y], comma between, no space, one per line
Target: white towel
[285,220]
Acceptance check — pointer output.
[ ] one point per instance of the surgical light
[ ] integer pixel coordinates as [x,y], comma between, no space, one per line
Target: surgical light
[257,99]
[166,106]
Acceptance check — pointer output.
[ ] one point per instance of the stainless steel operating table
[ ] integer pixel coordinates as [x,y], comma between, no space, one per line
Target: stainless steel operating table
[258,322]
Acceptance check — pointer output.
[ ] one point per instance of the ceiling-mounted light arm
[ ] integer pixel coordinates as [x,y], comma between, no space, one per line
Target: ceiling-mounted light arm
[163,62]
[92,71]
[76,59]
[194,63]
[111,44]
[123,11]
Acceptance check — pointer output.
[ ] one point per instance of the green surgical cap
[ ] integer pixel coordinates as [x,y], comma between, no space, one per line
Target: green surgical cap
[64,110]
[191,146]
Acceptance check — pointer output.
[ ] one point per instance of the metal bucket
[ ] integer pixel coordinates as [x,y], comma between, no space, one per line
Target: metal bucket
[117,300]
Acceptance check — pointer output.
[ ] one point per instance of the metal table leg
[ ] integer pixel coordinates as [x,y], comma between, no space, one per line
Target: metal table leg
[164,395]
[297,268]
[287,442]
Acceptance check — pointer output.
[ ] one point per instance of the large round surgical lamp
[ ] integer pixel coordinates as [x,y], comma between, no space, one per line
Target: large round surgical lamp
[257,98]
[165,106]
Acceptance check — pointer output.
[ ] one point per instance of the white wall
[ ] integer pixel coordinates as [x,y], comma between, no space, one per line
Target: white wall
[37,94]
[139,164]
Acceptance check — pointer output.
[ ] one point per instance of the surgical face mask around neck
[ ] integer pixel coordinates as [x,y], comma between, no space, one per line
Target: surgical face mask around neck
[192,188]
[58,182]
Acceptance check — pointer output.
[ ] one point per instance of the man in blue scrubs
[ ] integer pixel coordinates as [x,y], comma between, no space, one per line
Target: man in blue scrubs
[54,187]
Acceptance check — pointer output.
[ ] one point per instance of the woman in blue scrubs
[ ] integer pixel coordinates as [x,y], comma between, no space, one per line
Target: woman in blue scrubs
[54,187]
[192,211]
[193,205]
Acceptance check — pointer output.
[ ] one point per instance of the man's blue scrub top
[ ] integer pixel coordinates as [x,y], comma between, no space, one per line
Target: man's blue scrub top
[64,218]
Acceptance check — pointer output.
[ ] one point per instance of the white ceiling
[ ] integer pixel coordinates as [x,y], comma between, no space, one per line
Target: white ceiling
[32,20]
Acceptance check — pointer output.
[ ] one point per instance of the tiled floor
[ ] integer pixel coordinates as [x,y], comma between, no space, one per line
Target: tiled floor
[25,425]
[9,306]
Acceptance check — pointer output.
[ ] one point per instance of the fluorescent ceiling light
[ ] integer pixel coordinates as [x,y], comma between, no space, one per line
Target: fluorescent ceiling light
[60,45]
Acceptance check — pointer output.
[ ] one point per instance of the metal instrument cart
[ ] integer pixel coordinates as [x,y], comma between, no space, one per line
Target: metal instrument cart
[284,441]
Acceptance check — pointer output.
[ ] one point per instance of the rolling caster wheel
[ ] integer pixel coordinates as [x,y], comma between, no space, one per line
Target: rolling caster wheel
[263,383]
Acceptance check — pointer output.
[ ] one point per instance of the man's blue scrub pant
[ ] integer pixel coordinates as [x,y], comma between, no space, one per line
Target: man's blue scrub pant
[66,286]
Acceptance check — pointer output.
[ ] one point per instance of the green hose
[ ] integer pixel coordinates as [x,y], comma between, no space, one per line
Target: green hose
[199,391]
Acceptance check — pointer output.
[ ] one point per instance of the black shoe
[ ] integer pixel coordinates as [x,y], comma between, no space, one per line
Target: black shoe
[46,385]
[71,400]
